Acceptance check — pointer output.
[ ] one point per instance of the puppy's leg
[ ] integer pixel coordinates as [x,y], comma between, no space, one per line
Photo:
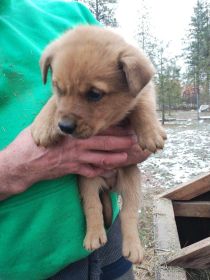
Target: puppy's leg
[129,187]
[44,128]
[145,122]
[107,208]
[89,190]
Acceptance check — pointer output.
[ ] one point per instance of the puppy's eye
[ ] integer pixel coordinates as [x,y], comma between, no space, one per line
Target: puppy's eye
[94,95]
[59,91]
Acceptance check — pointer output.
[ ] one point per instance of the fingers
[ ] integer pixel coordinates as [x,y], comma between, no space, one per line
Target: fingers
[90,171]
[107,143]
[102,159]
[136,155]
[105,163]
[118,131]
[143,155]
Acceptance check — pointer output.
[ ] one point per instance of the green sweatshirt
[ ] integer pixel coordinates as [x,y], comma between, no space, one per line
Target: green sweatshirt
[42,229]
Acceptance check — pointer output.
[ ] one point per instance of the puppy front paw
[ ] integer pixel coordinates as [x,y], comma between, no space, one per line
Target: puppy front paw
[152,139]
[94,239]
[132,250]
[44,135]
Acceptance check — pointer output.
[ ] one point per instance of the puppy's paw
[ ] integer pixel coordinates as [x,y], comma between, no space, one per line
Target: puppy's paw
[43,135]
[94,239]
[132,250]
[152,139]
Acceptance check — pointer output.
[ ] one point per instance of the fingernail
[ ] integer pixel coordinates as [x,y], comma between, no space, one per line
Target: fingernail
[134,139]
[125,156]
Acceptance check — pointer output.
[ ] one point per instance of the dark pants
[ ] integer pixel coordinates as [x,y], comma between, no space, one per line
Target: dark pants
[105,263]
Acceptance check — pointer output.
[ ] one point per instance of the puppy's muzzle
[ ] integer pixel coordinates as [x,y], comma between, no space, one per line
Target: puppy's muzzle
[67,126]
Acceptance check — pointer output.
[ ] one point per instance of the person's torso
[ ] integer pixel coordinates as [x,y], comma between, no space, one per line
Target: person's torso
[42,229]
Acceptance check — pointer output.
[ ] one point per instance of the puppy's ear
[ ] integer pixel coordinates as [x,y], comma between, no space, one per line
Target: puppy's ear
[137,68]
[46,60]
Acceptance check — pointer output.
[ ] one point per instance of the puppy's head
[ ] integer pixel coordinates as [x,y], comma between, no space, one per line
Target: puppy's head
[96,78]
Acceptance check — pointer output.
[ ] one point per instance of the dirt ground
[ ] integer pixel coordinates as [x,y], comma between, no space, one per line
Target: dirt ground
[145,271]
[186,155]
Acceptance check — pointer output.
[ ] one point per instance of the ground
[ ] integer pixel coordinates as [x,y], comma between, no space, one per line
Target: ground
[185,156]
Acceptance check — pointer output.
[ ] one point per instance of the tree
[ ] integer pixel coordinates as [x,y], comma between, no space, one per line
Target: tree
[160,81]
[197,50]
[167,81]
[144,37]
[172,85]
[104,11]
[167,78]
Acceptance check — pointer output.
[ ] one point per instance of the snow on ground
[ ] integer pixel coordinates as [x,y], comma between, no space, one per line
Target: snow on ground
[186,154]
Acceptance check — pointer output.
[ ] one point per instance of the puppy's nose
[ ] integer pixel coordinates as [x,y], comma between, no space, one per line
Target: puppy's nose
[67,126]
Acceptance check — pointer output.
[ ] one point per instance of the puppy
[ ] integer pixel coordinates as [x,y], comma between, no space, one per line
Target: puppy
[99,80]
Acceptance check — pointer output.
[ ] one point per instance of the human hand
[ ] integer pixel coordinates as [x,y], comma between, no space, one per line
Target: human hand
[23,163]
[134,153]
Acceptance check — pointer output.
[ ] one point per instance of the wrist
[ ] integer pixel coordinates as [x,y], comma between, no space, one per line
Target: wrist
[12,179]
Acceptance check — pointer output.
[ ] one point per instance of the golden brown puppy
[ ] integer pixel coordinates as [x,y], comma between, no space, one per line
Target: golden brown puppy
[98,80]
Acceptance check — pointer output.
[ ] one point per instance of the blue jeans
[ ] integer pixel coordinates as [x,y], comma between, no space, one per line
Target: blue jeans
[106,263]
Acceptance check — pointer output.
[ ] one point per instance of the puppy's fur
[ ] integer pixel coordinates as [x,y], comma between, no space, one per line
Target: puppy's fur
[99,80]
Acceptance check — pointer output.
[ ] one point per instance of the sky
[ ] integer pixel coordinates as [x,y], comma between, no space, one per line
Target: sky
[169,19]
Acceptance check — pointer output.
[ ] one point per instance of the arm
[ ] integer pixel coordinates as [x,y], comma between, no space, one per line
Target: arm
[23,163]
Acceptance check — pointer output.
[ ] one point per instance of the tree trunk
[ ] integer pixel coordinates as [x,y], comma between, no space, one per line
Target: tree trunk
[97,11]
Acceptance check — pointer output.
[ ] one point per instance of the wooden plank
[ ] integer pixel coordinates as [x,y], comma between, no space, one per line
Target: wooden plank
[196,256]
[198,209]
[166,241]
[170,273]
[187,191]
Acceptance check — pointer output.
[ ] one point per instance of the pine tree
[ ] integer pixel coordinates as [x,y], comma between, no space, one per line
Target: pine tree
[172,85]
[104,11]
[143,35]
[167,80]
[197,51]
[167,77]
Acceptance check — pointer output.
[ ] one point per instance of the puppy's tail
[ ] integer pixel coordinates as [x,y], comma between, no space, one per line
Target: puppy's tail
[107,207]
